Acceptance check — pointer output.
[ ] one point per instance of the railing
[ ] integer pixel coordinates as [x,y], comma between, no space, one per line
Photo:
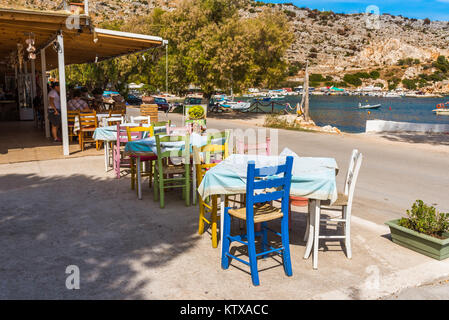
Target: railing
[269,107]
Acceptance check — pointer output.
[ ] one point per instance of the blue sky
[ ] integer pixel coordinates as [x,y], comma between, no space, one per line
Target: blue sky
[420,9]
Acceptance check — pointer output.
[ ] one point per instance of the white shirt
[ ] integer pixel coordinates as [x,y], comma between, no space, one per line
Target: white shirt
[57,101]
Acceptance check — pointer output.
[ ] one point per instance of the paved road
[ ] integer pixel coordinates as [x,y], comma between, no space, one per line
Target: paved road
[393,174]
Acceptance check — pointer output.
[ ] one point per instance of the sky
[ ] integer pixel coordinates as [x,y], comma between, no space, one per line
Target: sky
[420,9]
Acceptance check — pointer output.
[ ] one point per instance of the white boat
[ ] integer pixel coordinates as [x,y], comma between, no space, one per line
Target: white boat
[368,106]
[233,105]
[392,95]
[442,111]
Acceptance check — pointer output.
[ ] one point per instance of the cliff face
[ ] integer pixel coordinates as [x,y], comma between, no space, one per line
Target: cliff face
[333,43]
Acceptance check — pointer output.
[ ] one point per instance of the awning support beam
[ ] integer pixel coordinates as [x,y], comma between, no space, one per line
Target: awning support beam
[45,92]
[63,95]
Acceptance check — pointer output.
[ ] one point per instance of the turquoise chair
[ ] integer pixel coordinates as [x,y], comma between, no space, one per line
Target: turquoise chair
[259,210]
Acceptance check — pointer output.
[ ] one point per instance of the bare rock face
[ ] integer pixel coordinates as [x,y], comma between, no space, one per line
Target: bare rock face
[390,51]
[412,72]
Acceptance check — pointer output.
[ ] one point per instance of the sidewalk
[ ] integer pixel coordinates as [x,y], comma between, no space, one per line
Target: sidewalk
[69,212]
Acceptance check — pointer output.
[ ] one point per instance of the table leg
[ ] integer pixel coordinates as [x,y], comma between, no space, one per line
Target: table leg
[222,209]
[311,228]
[316,234]
[106,156]
[139,187]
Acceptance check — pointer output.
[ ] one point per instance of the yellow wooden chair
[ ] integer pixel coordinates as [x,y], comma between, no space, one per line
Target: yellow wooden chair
[135,133]
[209,205]
[71,115]
[88,124]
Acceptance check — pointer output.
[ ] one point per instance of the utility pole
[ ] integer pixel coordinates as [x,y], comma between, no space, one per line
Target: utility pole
[166,66]
[306,93]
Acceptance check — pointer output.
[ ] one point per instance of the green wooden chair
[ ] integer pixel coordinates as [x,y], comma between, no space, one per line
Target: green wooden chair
[165,124]
[166,172]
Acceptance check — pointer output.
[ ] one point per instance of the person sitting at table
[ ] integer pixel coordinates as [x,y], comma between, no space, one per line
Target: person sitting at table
[78,104]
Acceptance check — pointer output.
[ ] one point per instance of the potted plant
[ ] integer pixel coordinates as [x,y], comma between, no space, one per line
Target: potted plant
[425,231]
[196,113]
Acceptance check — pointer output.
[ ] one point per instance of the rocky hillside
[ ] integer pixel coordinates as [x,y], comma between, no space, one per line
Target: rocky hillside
[334,44]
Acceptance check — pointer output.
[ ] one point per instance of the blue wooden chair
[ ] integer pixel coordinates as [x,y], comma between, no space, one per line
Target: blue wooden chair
[259,210]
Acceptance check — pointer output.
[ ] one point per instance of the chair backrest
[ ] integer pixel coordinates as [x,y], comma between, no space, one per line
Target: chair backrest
[262,149]
[224,137]
[161,127]
[353,172]
[267,178]
[88,120]
[136,133]
[117,112]
[112,121]
[141,119]
[183,152]
[122,134]
[71,115]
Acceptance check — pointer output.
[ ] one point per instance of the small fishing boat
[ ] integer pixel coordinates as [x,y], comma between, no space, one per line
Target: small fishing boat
[240,105]
[442,109]
[369,106]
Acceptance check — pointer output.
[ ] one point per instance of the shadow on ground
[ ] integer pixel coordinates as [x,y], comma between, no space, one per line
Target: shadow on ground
[433,139]
[47,224]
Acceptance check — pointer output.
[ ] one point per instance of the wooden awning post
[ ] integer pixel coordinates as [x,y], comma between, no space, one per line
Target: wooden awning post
[63,95]
[45,92]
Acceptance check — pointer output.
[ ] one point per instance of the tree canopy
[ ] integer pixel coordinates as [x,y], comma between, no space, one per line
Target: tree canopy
[210,45]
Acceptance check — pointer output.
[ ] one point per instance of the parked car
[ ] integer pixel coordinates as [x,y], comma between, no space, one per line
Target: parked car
[162,103]
[192,101]
[134,100]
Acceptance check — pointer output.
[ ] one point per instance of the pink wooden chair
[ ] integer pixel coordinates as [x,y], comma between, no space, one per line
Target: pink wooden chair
[120,160]
[262,149]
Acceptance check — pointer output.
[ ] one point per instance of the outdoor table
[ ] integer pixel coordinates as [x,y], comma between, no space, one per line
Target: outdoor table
[109,134]
[312,178]
[147,147]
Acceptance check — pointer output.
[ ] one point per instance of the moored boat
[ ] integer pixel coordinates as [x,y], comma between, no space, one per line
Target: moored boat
[368,106]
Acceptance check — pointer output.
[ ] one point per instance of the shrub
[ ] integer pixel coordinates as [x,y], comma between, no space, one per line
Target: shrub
[352,79]
[314,77]
[196,112]
[427,220]
[374,75]
[410,84]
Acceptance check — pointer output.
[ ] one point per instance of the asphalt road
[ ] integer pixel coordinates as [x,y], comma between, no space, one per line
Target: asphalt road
[393,174]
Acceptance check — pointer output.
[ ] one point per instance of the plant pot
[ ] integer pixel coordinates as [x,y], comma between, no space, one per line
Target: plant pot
[419,242]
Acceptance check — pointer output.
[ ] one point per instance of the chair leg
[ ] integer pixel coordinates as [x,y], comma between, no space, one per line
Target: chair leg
[286,244]
[156,186]
[214,219]
[347,233]
[263,227]
[150,177]
[289,216]
[201,222]
[252,253]
[226,242]
[161,190]
[139,178]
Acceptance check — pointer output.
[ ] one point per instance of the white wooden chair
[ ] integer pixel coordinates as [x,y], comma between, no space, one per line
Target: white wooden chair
[343,205]
[141,119]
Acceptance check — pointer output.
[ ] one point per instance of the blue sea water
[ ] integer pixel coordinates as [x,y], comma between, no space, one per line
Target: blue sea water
[342,111]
